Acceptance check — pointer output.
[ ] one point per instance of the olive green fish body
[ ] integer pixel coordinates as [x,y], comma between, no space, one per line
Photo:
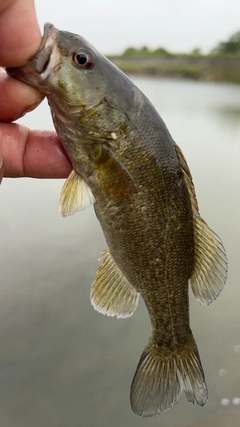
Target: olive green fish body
[126,163]
[148,223]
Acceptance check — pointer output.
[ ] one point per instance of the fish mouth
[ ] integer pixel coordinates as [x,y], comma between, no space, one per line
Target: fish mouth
[41,62]
[39,66]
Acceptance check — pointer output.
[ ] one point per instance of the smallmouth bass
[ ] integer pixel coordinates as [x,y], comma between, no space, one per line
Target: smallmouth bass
[126,163]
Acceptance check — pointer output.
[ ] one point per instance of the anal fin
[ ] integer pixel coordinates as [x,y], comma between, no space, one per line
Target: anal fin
[111,293]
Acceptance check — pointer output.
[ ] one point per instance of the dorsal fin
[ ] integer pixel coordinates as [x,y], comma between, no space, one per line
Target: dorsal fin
[210,261]
[188,179]
[75,195]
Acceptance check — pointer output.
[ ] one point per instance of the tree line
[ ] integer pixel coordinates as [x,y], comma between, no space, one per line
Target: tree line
[230,47]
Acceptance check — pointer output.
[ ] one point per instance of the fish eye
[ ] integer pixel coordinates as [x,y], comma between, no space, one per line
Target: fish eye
[83,59]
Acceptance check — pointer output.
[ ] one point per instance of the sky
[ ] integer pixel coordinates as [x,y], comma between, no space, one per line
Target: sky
[112,26]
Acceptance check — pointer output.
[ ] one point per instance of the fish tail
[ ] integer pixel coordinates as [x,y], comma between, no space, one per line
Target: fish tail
[161,377]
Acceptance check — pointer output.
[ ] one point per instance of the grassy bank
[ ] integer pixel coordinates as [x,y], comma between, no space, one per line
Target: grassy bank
[219,69]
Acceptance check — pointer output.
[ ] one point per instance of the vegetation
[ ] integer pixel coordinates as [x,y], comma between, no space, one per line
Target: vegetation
[221,64]
[159,69]
[144,52]
[229,48]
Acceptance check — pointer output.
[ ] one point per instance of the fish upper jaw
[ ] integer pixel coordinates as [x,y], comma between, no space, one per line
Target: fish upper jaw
[43,63]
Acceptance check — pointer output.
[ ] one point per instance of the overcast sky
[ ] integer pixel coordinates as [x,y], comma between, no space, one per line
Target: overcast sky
[111,26]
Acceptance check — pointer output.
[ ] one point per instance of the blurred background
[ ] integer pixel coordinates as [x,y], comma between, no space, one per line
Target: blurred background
[61,363]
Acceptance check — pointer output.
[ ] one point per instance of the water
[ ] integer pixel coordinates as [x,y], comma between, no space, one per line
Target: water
[63,364]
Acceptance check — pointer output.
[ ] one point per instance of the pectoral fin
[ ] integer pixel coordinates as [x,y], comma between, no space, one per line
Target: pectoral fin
[210,261]
[111,293]
[75,195]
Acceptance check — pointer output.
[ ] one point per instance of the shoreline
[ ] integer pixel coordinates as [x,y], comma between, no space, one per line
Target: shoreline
[215,69]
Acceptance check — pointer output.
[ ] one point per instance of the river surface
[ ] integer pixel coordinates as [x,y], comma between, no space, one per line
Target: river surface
[61,363]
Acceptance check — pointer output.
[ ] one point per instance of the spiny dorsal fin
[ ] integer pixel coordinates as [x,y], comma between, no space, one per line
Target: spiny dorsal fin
[75,195]
[188,178]
[210,261]
[111,293]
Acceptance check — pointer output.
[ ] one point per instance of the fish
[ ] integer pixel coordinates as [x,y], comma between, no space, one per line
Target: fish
[126,163]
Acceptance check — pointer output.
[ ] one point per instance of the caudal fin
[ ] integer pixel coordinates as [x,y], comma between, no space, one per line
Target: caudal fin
[161,377]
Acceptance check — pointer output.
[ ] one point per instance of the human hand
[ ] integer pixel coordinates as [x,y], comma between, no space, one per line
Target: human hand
[23,152]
